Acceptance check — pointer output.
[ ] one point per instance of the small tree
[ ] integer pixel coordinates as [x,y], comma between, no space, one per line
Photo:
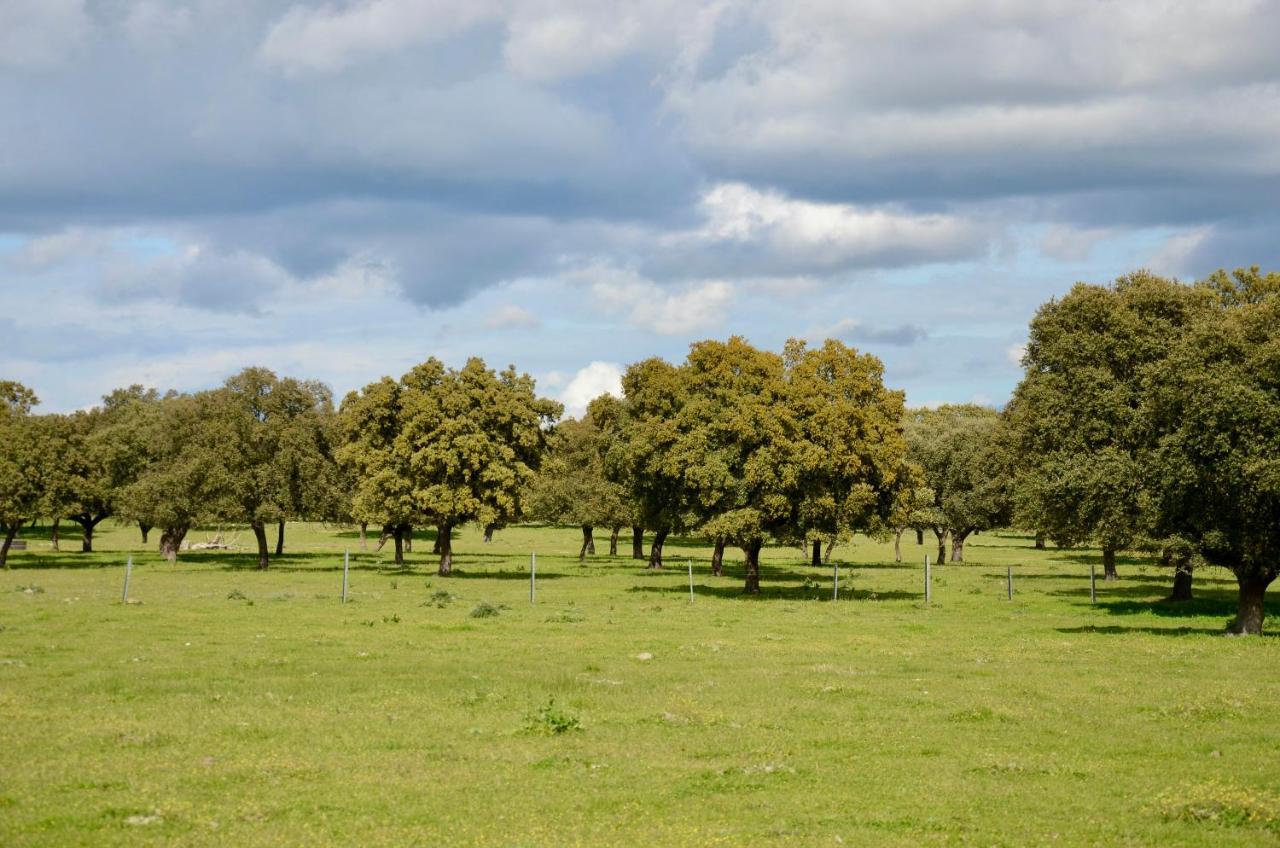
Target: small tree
[571,487]
[961,453]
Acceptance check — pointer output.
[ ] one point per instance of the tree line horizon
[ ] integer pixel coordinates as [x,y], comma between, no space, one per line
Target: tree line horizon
[1147,419]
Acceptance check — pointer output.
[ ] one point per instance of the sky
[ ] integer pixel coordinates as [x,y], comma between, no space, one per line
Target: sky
[338,190]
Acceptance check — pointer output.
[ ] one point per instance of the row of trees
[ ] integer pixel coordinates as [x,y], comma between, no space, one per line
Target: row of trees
[737,444]
[1147,419]
[257,450]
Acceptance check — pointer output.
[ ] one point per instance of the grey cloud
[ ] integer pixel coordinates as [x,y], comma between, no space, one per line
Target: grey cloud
[900,335]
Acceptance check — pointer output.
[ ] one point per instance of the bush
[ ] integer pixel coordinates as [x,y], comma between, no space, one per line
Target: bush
[236,595]
[550,720]
[484,609]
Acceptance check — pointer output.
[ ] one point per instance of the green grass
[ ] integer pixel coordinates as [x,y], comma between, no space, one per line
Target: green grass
[235,707]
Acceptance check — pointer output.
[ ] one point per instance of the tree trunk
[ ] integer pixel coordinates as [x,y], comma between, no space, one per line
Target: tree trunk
[1109,563]
[897,545]
[717,557]
[919,535]
[655,550]
[1182,580]
[387,532]
[407,533]
[957,545]
[613,541]
[446,549]
[1039,541]
[637,542]
[588,543]
[752,550]
[591,541]
[826,553]
[436,547]
[171,542]
[260,533]
[145,529]
[280,538]
[54,540]
[488,533]
[9,533]
[397,534]
[364,539]
[815,553]
[87,524]
[1249,617]
[942,546]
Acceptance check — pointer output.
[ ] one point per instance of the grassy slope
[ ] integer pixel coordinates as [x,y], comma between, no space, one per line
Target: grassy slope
[287,719]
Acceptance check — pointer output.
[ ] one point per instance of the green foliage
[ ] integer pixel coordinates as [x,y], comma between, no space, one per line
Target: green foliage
[1214,473]
[445,446]
[25,459]
[1077,416]
[748,445]
[551,720]
[484,609]
[572,487]
[966,468]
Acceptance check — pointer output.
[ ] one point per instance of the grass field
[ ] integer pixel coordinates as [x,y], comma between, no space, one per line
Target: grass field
[236,707]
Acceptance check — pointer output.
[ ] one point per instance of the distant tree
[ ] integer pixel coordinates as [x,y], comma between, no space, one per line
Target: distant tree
[22,462]
[962,455]
[446,446]
[611,417]
[571,486]
[641,456]
[1214,403]
[370,425]
[1076,415]
[184,477]
[474,440]
[851,434]
[912,506]
[274,448]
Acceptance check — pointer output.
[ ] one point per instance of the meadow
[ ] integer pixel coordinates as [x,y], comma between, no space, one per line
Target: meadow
[229,706]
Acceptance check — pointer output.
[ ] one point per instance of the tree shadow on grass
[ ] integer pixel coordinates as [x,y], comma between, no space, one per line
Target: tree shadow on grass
[1215,605]
[1116,630]
[51,561]
[773,592]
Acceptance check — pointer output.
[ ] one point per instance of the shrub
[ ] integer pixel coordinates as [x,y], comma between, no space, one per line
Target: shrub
[550,720]
[484,609]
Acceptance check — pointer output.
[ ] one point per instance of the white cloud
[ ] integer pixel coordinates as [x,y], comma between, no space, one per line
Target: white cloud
[589,383]
[666,310]
[828,235]
[1173,258]
[508,316]
[311,40]
[1014,354]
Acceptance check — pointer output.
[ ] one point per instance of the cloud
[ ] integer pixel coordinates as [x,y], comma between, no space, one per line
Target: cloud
[1015,353]
[664,310]
[1073,244]
[745,230]
[311,40]
[597,378]
[853,330]
[508,316]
